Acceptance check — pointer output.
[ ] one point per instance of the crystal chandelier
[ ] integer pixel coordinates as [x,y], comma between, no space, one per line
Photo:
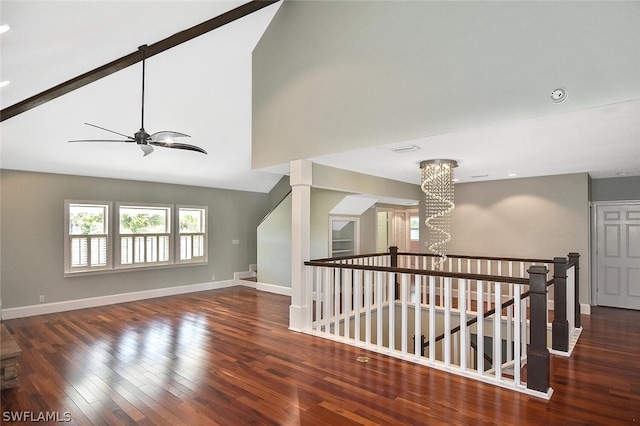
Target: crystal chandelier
[437,185]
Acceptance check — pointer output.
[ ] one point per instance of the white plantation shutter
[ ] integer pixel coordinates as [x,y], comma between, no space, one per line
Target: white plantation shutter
[86,236]
[143,235]
[193,234]
[79,252]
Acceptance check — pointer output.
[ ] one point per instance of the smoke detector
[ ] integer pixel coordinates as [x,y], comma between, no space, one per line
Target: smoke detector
[559,95]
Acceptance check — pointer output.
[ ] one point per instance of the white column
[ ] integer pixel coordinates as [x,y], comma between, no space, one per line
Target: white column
[300,179]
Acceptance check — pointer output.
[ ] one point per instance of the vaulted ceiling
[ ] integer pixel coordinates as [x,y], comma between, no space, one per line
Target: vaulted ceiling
[340,83]
[201,87]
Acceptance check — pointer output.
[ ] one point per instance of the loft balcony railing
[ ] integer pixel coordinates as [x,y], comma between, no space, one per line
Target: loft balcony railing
[486,318]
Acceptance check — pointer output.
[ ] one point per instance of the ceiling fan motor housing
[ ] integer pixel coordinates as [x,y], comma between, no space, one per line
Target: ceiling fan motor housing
[141,137]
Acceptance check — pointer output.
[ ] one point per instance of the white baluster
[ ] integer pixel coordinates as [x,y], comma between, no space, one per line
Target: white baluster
[357,303]
[497,333]
[404,292]
[309,295]
[464,346]
[447,322]
[367,306]
[327,300]
[510,317]
[319,285]
[347,300]
[480,327]
[518,343]
[336,301]
[418,317]
[392,311]
[488,286]
[432,319]
[379,308]
[468,295]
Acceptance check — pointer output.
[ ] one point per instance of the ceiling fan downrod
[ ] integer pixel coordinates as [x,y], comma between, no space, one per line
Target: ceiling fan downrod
[143,49]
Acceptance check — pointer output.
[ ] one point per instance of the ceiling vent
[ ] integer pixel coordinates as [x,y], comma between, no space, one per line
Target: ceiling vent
[406,148]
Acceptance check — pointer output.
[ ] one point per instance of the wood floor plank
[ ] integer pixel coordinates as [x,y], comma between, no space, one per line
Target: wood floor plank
[227,357]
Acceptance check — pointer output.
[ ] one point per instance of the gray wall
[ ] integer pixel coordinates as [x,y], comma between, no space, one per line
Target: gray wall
[274,235]
[274,246]
[32,239]
[615,189]
[539,217]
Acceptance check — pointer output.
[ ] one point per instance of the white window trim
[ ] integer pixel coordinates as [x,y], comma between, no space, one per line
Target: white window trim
[113,240]
[118,236]
[68,269]
[201,259]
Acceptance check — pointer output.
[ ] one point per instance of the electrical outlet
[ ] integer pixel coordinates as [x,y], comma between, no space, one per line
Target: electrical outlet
[41,298]
[213,277]
[235,242]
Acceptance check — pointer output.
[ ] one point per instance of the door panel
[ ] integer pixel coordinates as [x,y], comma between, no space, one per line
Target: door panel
[633,241]
[612,240]
[618,255]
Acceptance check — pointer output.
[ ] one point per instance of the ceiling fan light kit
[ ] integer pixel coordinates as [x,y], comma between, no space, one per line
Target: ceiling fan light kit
[165,138]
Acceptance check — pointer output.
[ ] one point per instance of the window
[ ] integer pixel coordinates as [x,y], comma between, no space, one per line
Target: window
[144,234]
[132,236]
[191,229]
[87,236]
[414,223]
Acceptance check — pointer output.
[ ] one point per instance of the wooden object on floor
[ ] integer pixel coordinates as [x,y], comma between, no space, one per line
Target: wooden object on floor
[9,353]
[227,357]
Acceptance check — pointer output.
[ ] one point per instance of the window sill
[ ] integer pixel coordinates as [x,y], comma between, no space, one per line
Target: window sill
[133,269]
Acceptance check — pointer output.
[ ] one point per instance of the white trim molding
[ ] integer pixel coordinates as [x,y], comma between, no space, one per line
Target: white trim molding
[92,302]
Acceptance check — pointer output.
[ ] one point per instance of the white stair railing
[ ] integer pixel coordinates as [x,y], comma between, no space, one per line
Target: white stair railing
[467,314]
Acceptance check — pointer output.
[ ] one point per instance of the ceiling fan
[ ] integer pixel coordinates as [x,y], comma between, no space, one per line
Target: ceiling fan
[141,137]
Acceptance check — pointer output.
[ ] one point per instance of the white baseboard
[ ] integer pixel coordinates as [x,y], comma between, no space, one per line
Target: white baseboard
[243,274]
[585,309]
[92,302]
[277,289]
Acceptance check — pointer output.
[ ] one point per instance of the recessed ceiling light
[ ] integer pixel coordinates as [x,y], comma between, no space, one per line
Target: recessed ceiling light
[4,28]
[4,83]
[456,180]
[559,95]
[512,174]
[479,176]
[622,174]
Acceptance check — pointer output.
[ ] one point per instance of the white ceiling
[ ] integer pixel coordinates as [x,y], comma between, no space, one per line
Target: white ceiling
[203,88]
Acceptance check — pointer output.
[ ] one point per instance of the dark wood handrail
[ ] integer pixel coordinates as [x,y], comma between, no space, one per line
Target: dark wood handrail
[460,256]
[353,256]
[484,355]
[457,256]
[486,314]
[425,272]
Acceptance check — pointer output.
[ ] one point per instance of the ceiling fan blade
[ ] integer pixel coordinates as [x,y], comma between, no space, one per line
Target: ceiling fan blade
[178,145]
[167,135]
[147,149]
[102,128]
[102,140]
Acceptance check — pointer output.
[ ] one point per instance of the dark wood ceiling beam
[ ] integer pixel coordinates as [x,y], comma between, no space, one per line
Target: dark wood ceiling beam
[133,58]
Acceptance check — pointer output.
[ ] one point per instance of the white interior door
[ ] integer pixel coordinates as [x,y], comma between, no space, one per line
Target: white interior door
[384,229]
[618,255]
[401,233]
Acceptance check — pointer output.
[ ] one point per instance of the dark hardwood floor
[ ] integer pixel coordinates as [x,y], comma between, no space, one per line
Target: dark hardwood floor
[226,357]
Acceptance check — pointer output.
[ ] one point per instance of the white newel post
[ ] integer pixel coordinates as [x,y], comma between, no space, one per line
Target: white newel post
[300,179]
